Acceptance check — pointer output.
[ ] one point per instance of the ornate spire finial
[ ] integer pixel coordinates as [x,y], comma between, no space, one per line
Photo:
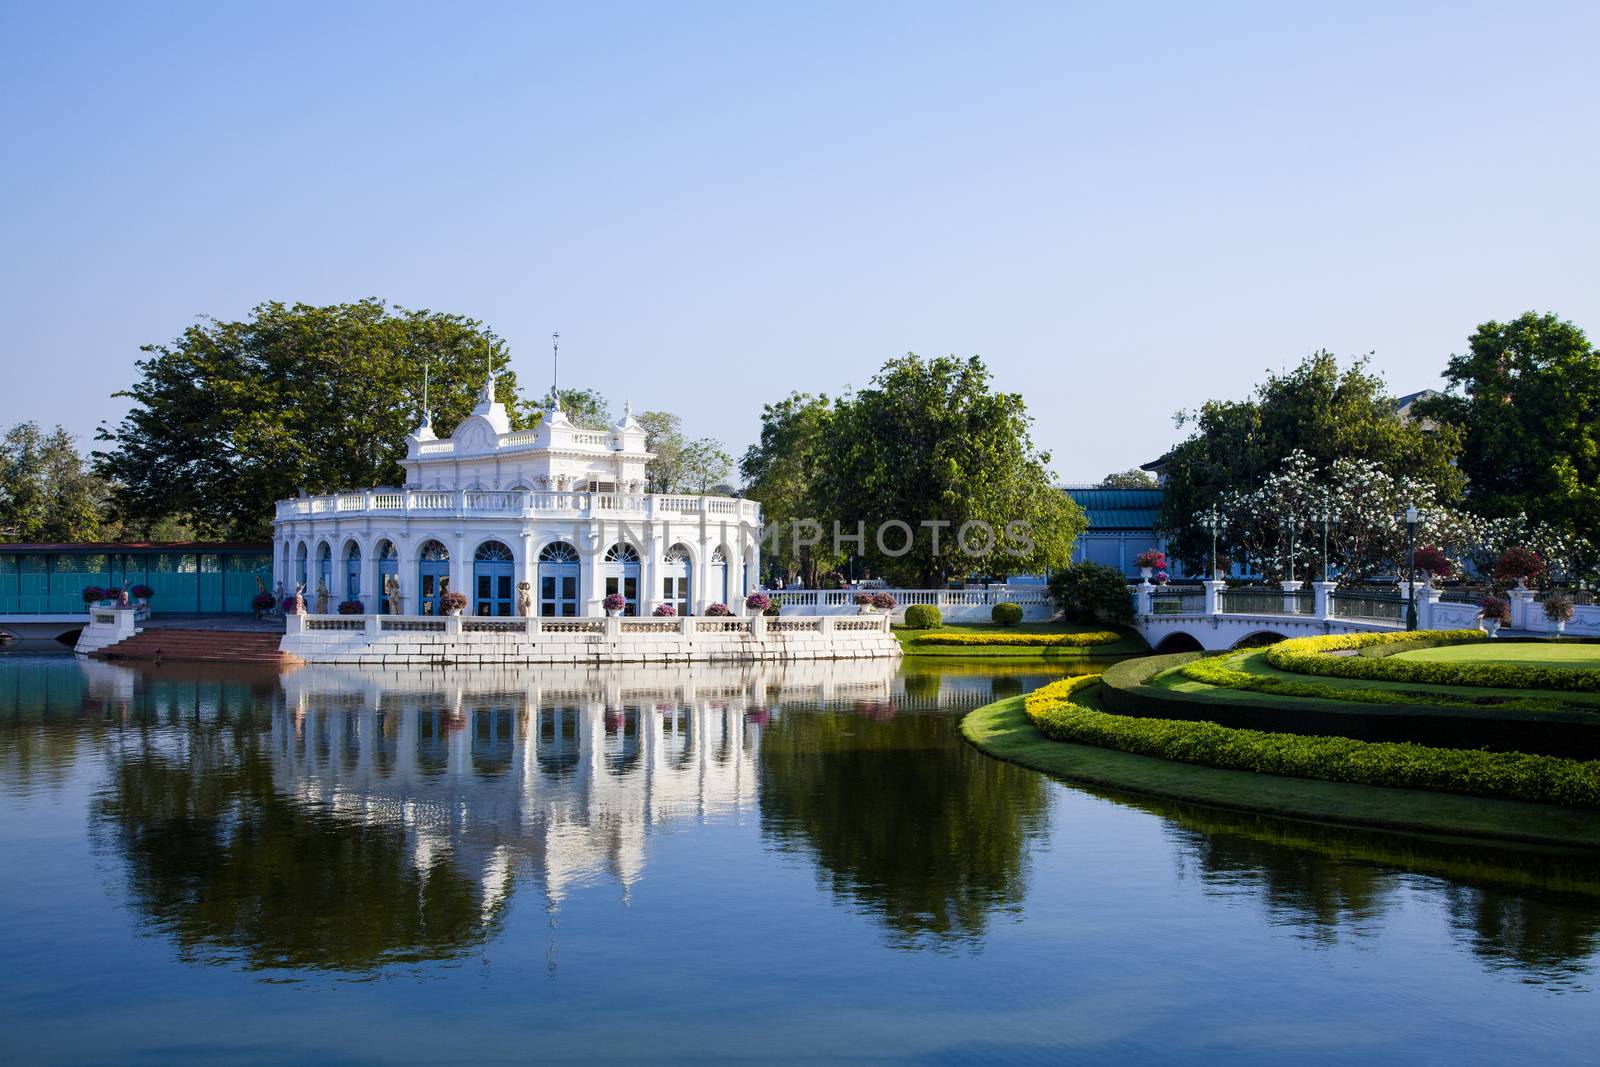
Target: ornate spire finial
[627,408]
[427,366]
[555,369]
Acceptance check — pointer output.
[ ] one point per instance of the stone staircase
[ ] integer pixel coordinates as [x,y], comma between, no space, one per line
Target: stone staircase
[199,646]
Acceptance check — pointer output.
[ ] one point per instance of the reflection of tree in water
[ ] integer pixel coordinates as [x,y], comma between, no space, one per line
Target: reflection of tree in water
[1537,913]
[921,830]
[230,868]
[1550,941]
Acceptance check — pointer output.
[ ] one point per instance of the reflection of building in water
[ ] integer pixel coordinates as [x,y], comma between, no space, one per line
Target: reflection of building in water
[561,773]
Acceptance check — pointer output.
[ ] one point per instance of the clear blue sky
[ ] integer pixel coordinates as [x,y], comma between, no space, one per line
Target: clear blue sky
[1124,212]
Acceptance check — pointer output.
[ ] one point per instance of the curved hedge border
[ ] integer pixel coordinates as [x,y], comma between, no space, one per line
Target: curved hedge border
[1305,655]
[1212,672]
[1505,775]
[1083,640]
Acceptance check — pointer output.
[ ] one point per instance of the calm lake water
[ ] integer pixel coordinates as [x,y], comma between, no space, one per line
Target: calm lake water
[341,866]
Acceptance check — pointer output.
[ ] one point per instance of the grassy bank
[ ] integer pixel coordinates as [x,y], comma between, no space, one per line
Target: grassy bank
[1131,643]
[1002,730]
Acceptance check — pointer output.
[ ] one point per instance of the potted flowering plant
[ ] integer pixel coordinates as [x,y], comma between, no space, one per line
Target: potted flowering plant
[263,603]
[1520,565]
[664,611]
[288,605]
[614,603]
[883,601]
[93,594]
[454,603]
[865,604]
[1161,577]
[1558,610]
[1494,613]
[142,593]
[1150,561]
[351,607]
[1434,563]
[718,609]
[758,602]
[114,594]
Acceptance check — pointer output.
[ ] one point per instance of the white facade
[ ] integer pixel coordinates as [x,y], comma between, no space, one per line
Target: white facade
[561,508]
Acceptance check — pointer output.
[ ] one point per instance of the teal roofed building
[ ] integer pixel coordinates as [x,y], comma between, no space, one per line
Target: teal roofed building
[1122,524]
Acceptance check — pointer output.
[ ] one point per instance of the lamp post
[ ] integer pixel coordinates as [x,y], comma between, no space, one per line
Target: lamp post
[1289,522]
[1212,521]
[1326,515]
[1411,568]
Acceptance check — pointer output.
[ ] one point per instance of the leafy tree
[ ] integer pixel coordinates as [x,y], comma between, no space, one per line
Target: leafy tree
[46,493]
[705,464]
[928,442]
[663,435]
[780,472]
[1129,479]
[585,408]
[232,416]
[1526,399]
[1316,409]
[1090,591]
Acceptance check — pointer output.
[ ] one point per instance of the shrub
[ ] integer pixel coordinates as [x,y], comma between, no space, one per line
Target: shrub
[142,592]
[1432,559]
[1493,607]
[1006,614]
[1083,640]
[1518,563]
[718,609]
[454,601]
[758,602]
[1558,608]
[923,617]
[1092,591]
[351,607]
[1303,656]
[884,601]
[614,602]
[1505,775]
[1154,559]
[92,593]
[262,602]
[664,611]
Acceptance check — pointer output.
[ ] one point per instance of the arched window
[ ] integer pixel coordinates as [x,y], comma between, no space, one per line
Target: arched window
[300,576]
[558,580]
[433,577]
[352,571]
[621,572]
[675,575]
[388,568]
[719,575]
[325,567]
[493,575]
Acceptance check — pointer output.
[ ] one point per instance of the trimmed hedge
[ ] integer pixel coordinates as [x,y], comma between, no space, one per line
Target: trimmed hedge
[1212,672]
[1005,614]
[1304,655]
[1083,640]
[923,617]
[1503,775]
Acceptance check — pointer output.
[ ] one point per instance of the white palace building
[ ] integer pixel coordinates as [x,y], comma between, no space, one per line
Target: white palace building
[560,507]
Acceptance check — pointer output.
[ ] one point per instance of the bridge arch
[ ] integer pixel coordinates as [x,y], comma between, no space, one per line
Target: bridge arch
[1178,641]
[1259,639]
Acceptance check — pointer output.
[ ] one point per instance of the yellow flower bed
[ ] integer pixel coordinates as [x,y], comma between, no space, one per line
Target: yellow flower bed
[1083,640]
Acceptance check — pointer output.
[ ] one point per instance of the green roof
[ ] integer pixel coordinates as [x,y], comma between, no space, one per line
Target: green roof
[1118,509]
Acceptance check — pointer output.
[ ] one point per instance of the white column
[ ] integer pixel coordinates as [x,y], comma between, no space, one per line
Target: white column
[1291,603]
[1427,599]
[461,569]
[650,568]
[1142,591]
[1522,616]
[1323,593]
[1214,588]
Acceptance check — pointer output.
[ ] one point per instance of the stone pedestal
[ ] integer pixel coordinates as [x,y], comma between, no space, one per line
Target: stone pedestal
[1322,604]
[1523,609]
[1214,589]
[1291,602]
[1142,605]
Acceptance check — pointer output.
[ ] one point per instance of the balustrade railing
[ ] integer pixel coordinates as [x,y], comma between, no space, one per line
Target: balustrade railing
[1383,607]
[514,502]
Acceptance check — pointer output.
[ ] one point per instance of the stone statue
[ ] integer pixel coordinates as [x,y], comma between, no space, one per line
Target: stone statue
[122,598]
[524,599]
[391,593]
[322,598]
[261,587]
[277,599]
[300,598]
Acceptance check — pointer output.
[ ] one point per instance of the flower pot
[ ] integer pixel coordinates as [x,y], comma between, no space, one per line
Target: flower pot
[456,612]
[1146,572]
[1491,626]
[612,613]
[866,609]
[1560,626]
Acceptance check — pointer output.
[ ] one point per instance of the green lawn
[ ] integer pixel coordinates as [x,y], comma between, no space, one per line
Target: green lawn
[1130,645]
[1002,730]
[1529,654]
